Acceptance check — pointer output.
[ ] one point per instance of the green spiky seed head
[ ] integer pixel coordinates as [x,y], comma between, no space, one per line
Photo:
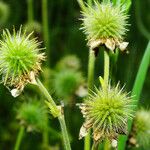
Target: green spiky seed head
[69,62]
[32,115]
[4,12]
[141,128]
[66,83]
[106,111]
[20,58]
[105,23]
[33,26]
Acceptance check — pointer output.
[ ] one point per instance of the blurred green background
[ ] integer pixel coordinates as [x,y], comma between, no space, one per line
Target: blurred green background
[66,38]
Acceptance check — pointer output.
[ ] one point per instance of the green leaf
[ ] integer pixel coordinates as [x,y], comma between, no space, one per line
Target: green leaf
[137,89]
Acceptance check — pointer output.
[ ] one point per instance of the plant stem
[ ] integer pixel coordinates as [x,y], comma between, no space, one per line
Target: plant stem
[57,113]
[45,132]
[136,91]
[107,145]
[141,75]
[87,142]
[64,132]
[45,27]
[95,146]
[19,137]
[30,10]
[91,67]
[82,5]
[106,82]
[106,68]
[45,92]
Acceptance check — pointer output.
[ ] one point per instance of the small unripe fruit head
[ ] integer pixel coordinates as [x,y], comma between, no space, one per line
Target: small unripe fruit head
[33,26]
[106,111]
[141,128]
[105,23]
[20,58]
[69,62]
[66,83]
[32,115]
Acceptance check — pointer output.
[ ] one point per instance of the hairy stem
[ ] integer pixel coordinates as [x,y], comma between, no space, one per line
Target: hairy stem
[107,145]
[45,27]
[57,113]
[30,10]
[47,95]
[64,132]
[136,91]
[87,142]
[106,68]
[82,5]
[95,146]
[19,138]
[106,82]
[91,67]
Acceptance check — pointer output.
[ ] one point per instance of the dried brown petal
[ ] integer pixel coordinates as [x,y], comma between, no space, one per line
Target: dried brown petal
[83,132]
[95,43]
[114,143]
[123,46]
[32,78]
[97,135]
[132,141]
[110,44]
[82,91]
[16,92]
[88,124]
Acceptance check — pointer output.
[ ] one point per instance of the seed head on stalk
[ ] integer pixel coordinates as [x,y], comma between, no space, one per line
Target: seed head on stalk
[20,60]
[140,134]
[105,24]
[106,111]
[32,115]
[67,82]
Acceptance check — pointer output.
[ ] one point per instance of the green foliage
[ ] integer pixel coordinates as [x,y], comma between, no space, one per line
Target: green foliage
[141,75]
[137,87]
[32,115]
